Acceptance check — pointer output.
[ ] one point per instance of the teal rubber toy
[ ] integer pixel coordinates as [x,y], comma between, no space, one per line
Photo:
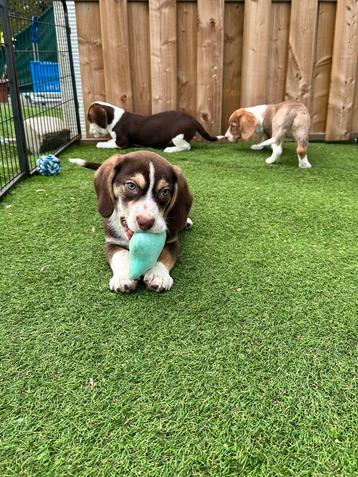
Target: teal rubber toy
[144,250]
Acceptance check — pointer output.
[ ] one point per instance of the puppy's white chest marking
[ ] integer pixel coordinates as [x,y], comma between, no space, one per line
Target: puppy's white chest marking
[118,113]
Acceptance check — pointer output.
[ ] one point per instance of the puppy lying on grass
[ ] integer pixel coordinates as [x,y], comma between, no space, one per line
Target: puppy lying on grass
[140,192]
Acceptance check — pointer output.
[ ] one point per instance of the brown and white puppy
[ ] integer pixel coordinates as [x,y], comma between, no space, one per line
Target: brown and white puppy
[273,121]
[172,130]
[140,191]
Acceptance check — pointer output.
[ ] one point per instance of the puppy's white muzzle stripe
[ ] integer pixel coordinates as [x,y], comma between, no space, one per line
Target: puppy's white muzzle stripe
[229,136]
[151,181]
[147,207]
[96,130]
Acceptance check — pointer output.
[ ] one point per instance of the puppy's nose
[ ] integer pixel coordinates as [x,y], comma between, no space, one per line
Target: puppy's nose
[145,222]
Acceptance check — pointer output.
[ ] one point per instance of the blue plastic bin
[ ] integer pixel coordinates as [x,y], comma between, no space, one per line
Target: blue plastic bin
[45,77]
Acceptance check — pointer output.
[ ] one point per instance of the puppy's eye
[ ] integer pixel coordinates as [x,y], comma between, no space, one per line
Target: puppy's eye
[131,186]
[164,193]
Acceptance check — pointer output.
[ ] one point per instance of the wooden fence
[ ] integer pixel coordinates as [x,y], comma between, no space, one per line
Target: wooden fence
[208,57]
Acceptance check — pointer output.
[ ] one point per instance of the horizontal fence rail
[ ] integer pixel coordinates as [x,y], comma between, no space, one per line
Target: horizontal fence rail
[209,57]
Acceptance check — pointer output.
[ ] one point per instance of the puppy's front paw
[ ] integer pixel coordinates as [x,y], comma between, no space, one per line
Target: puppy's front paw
[171,149]
[304,163]
[189,224]
[257,147]
[124,285]
[158,279]
[111,144]
[101,145]
[271,160]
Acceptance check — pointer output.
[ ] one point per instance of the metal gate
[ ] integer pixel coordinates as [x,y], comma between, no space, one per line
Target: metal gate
[38,100]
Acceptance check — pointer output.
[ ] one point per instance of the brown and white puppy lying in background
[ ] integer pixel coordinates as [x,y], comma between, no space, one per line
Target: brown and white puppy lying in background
[140,191]
[172,130]
[273,121]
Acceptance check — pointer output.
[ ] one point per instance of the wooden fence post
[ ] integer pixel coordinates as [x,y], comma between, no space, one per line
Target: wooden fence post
[187,56]
[255,53]
[90,49]
[210,63]
[322,65]
[301,50]
[163,49]
[114,27]
[233,32]
[138,14]
[278,52]
[344,72]
[355,114]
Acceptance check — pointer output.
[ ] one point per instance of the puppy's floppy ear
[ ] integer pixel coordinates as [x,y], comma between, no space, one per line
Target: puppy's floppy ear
[180,205]
[247,125]
[98,114]
[103,183]
[235,117]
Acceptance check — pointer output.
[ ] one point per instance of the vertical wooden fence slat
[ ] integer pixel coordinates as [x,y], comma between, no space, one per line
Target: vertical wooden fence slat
[209,57]
[278,52]
[114,27]
[355,113]
[344,71]
[210,63]
[187,56]
[90,49]
[322,65]
[257,27]
[138,15]
[233,32]
[301,50]
[163,48]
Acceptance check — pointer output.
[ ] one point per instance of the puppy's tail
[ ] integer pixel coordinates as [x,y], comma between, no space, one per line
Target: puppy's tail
[87,164]
[205,134]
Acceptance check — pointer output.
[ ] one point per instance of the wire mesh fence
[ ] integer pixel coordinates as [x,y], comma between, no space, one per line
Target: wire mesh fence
[38,102]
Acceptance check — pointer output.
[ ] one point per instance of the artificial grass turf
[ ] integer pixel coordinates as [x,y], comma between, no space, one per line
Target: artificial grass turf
[247,367]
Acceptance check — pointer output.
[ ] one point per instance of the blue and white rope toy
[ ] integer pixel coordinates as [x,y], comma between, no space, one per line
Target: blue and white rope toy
[48,165]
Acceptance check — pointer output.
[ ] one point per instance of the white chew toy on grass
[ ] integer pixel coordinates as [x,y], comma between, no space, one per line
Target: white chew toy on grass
[144,251]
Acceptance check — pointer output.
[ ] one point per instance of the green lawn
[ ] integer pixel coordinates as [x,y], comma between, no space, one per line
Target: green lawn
[247,367]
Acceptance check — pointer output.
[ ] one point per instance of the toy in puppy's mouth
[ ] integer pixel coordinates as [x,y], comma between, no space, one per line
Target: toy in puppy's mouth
[144,249]
[127,230]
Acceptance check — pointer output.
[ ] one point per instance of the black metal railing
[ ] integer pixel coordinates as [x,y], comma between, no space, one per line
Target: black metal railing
[38,100]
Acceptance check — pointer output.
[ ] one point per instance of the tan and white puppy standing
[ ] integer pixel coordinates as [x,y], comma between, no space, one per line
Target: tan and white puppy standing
[137,192]
[273,121]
